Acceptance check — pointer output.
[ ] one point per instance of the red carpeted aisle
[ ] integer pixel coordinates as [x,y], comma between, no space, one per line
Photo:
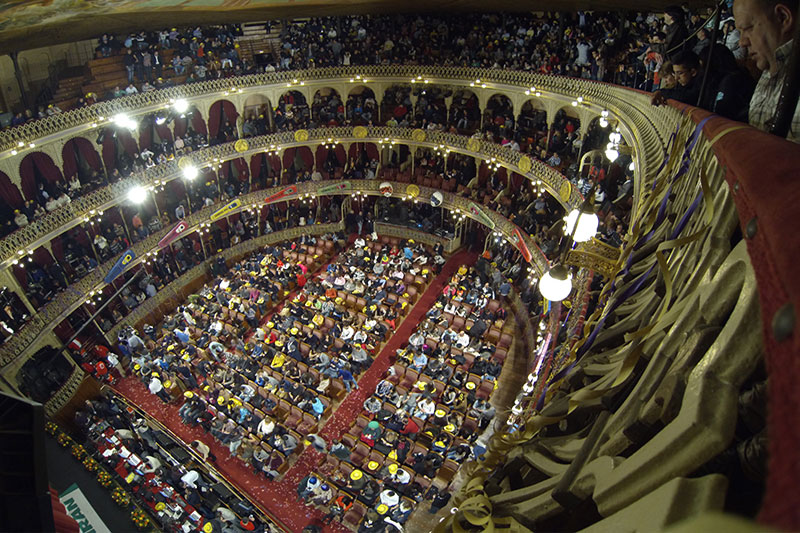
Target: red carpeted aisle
[279,498]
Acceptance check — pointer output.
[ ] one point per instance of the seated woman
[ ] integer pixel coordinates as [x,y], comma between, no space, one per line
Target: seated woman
[371,433]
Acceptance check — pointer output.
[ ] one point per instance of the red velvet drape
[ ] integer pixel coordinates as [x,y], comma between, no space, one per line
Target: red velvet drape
[37,161]
[10,192]
[86,151]
[146,133]
[305,153]
[216,118]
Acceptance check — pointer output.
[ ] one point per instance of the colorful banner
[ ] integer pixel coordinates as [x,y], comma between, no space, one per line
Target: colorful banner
[173,235]
[280,195]
[227,208]
[336,187]
[120,266]
[478,213]
[79,508]
[520,244]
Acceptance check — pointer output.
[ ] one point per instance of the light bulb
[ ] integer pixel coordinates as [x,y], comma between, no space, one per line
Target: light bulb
[587,225]
[556,284]
[137,194]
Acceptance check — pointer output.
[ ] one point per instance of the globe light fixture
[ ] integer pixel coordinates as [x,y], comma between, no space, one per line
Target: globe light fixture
[556,284]
[612,154]
[587,224]
[137,194]
[124,121]
[603,123]
[190,172]
[180,105]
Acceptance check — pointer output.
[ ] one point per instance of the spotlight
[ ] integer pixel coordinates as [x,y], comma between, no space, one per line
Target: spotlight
[180,105]
[137,194]
[190,172]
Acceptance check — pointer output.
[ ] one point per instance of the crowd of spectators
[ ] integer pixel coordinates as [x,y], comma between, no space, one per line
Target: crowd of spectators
[175,488]
[424,418]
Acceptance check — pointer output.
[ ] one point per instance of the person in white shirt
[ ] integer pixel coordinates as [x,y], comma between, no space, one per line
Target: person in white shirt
[266,427]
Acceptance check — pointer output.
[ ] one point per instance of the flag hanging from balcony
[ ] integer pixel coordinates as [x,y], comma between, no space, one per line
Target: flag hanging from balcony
[225,209]
[173,235]
[280,195]
[119,267]
[341,186]
[520,244]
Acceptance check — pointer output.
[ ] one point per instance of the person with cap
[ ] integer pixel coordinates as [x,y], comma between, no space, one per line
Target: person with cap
[371,433]
[157,387]
[306,487]
[321,495]
[357,480]
[389,498]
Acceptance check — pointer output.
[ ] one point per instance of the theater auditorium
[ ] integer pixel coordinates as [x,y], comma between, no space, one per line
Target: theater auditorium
[380,267]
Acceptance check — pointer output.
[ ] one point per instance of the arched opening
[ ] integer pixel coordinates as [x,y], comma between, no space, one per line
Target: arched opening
[362,108]
[431,106]
[297,162]
[465,113]
[257,116]
[327,108]
[11,201]
[363,160]
[222,118]
[293,111]
[563,133]
[120,153]
[235,177]
[330,161]
[498,118]
[42,180]
[532,126]
[265,170]
[81,160]
[190,131]
[396,106]
[156,137]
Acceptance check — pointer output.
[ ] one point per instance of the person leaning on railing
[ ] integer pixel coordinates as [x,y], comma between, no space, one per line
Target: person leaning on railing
[767,27]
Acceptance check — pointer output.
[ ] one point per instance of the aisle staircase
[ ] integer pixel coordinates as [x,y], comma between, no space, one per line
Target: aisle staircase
[69,89]
[255,41]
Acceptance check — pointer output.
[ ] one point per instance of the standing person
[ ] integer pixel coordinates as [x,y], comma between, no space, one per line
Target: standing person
[766,28]
[205,452]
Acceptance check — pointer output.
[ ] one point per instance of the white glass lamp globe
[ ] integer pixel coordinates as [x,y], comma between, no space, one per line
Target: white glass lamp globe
[556,284]
[180,105]
[612,154]
[137,194]
[190,172]
[587,225]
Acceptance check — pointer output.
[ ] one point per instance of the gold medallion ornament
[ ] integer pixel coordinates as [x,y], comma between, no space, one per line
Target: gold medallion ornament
[473,145]
[418,135]
[359,132]
[524,163]
[565,191]
[301,135]
[241,146]
[412,191]
[184,162]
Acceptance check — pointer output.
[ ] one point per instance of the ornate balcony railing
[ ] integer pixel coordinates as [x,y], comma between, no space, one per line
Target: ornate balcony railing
[74,213]
[76,294]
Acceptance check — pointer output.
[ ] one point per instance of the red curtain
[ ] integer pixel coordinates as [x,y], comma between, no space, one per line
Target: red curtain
[216,118]
[128,142]
[30,165]
[305,153]
[341,156]
[109,151]
[198,123]
[146,133]
[163,132]
[180,126]
[321,155]
[241,167]
[57,245]
[87,152]
[10,192]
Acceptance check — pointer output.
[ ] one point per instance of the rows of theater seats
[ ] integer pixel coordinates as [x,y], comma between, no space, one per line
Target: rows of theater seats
[432,437]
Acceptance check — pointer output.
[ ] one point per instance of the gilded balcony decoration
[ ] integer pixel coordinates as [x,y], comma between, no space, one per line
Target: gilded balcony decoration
[597,256]
[76,294]
[72,214]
